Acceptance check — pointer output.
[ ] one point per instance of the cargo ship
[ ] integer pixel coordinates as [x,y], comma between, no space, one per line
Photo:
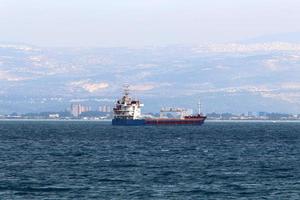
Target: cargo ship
[127,112]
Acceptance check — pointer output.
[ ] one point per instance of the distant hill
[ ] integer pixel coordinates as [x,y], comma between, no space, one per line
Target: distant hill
[236,77]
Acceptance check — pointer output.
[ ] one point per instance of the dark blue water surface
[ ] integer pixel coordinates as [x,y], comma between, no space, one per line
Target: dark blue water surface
[93,160]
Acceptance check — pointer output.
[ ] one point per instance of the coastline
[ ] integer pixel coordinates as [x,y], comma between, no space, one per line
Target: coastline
[253,121]
[109,120]
[58,120]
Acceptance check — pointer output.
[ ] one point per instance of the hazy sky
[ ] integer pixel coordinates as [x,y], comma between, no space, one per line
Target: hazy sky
[143,22]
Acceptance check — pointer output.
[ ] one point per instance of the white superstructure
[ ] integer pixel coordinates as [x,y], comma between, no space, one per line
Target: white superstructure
[127,108]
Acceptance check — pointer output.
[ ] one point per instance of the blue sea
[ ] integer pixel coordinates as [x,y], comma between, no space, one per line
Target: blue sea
[94,160]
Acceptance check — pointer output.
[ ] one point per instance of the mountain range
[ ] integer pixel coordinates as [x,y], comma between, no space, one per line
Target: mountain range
[231,77]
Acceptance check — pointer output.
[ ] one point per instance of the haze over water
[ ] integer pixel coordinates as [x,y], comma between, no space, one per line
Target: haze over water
[92,160]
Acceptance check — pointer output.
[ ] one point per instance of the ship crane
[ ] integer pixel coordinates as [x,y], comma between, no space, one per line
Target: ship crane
[182,111]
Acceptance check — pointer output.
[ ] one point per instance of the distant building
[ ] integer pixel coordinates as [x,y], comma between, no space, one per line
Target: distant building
[77,109]
[105,108]
[250,114]
[262,114]
[53,116]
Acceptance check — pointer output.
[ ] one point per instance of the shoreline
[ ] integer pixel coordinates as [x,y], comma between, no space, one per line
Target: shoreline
[254,121]
[109,120]
[58,120]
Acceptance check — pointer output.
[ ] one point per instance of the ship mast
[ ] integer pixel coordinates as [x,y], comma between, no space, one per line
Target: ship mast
[199,107]
[126,89]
